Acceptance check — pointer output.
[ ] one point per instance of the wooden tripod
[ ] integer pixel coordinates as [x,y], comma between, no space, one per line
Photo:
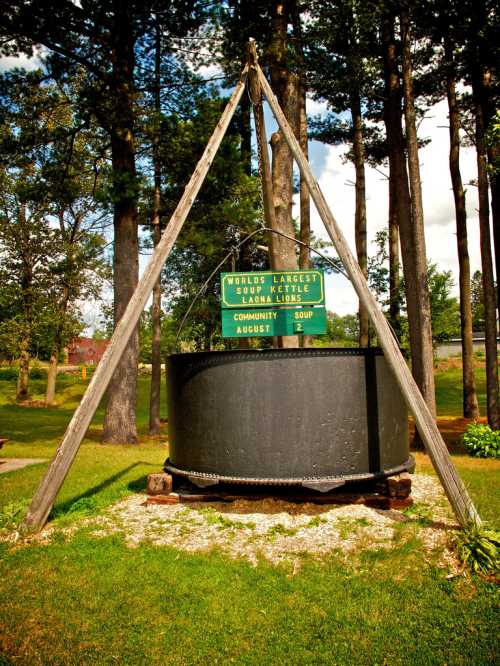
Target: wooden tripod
[46,494]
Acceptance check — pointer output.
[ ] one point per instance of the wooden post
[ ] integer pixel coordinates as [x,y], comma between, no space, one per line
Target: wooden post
[51,483]
[266,177]
[265,164]
[462,504]
[260,131]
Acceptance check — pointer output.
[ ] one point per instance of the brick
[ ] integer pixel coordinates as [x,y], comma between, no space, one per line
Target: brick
[159,484]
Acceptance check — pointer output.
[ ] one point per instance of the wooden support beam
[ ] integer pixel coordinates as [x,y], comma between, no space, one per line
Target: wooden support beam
[274,242]
[260,131]
[460,501]
[44,497]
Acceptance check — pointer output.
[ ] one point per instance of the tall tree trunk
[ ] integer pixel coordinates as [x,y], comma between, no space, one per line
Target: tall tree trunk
[24,371]
[401,204]
[470,404]
[285,86]
[425,366]
[50,391]
[493,154]
[27,298]
[399,193]
[305,196]
[246,134]
[154,397]
[483,81]
[494,160]
[360,211]
[119,421]
[394,263]
[305,200]
[492,398]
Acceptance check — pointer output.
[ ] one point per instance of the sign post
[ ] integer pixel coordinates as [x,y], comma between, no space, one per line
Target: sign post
[269,303]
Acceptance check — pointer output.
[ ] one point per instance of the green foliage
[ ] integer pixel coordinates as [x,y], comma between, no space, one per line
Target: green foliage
[478,547]
[481,441]
[85,506]
[477,302]
[8,373]
[342,328]
[445,309]
[227,209]
[169,328]
[50,226]
[12,514]
[420,513]
[281,530]
[492,139]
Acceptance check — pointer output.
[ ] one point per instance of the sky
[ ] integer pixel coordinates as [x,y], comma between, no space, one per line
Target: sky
[335,177]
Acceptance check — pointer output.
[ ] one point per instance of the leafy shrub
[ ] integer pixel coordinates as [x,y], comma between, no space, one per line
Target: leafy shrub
[481,441]
[38,373]
[9,373]
[12,514]
[85,505]
[478,547]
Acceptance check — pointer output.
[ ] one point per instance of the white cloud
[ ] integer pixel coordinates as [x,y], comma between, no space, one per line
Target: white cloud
[20,61]
[315,107]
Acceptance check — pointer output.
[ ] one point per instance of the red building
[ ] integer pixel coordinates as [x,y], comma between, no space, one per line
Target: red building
[86,351]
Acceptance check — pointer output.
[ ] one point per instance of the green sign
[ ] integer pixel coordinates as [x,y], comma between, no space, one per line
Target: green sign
[268,288]
[283,321]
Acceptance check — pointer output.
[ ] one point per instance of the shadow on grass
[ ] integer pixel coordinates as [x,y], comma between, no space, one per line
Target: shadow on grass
[72,504]
[27,425]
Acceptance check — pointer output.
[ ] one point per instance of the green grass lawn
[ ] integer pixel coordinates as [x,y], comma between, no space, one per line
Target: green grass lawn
[100,474]
[449,391]
[83,600]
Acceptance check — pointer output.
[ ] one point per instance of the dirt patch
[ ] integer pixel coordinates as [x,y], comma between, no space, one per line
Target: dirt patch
[12,464]
[455,363]
[35,403]
[279,531]
[451,428]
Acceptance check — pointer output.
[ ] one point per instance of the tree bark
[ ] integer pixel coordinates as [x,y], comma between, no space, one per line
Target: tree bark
[285,85]
[399,193]
[27,298]
[120,418]
[305,196]
[246,134]
[360,211]
[401,205]
[470,404]
[155,390]
[24,372]
[394,261]
[50,392]
[425,366]
[492,398]
[494,159]
[484,84]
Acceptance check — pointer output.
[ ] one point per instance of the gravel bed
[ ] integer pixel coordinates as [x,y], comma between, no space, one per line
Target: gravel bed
[280,531]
